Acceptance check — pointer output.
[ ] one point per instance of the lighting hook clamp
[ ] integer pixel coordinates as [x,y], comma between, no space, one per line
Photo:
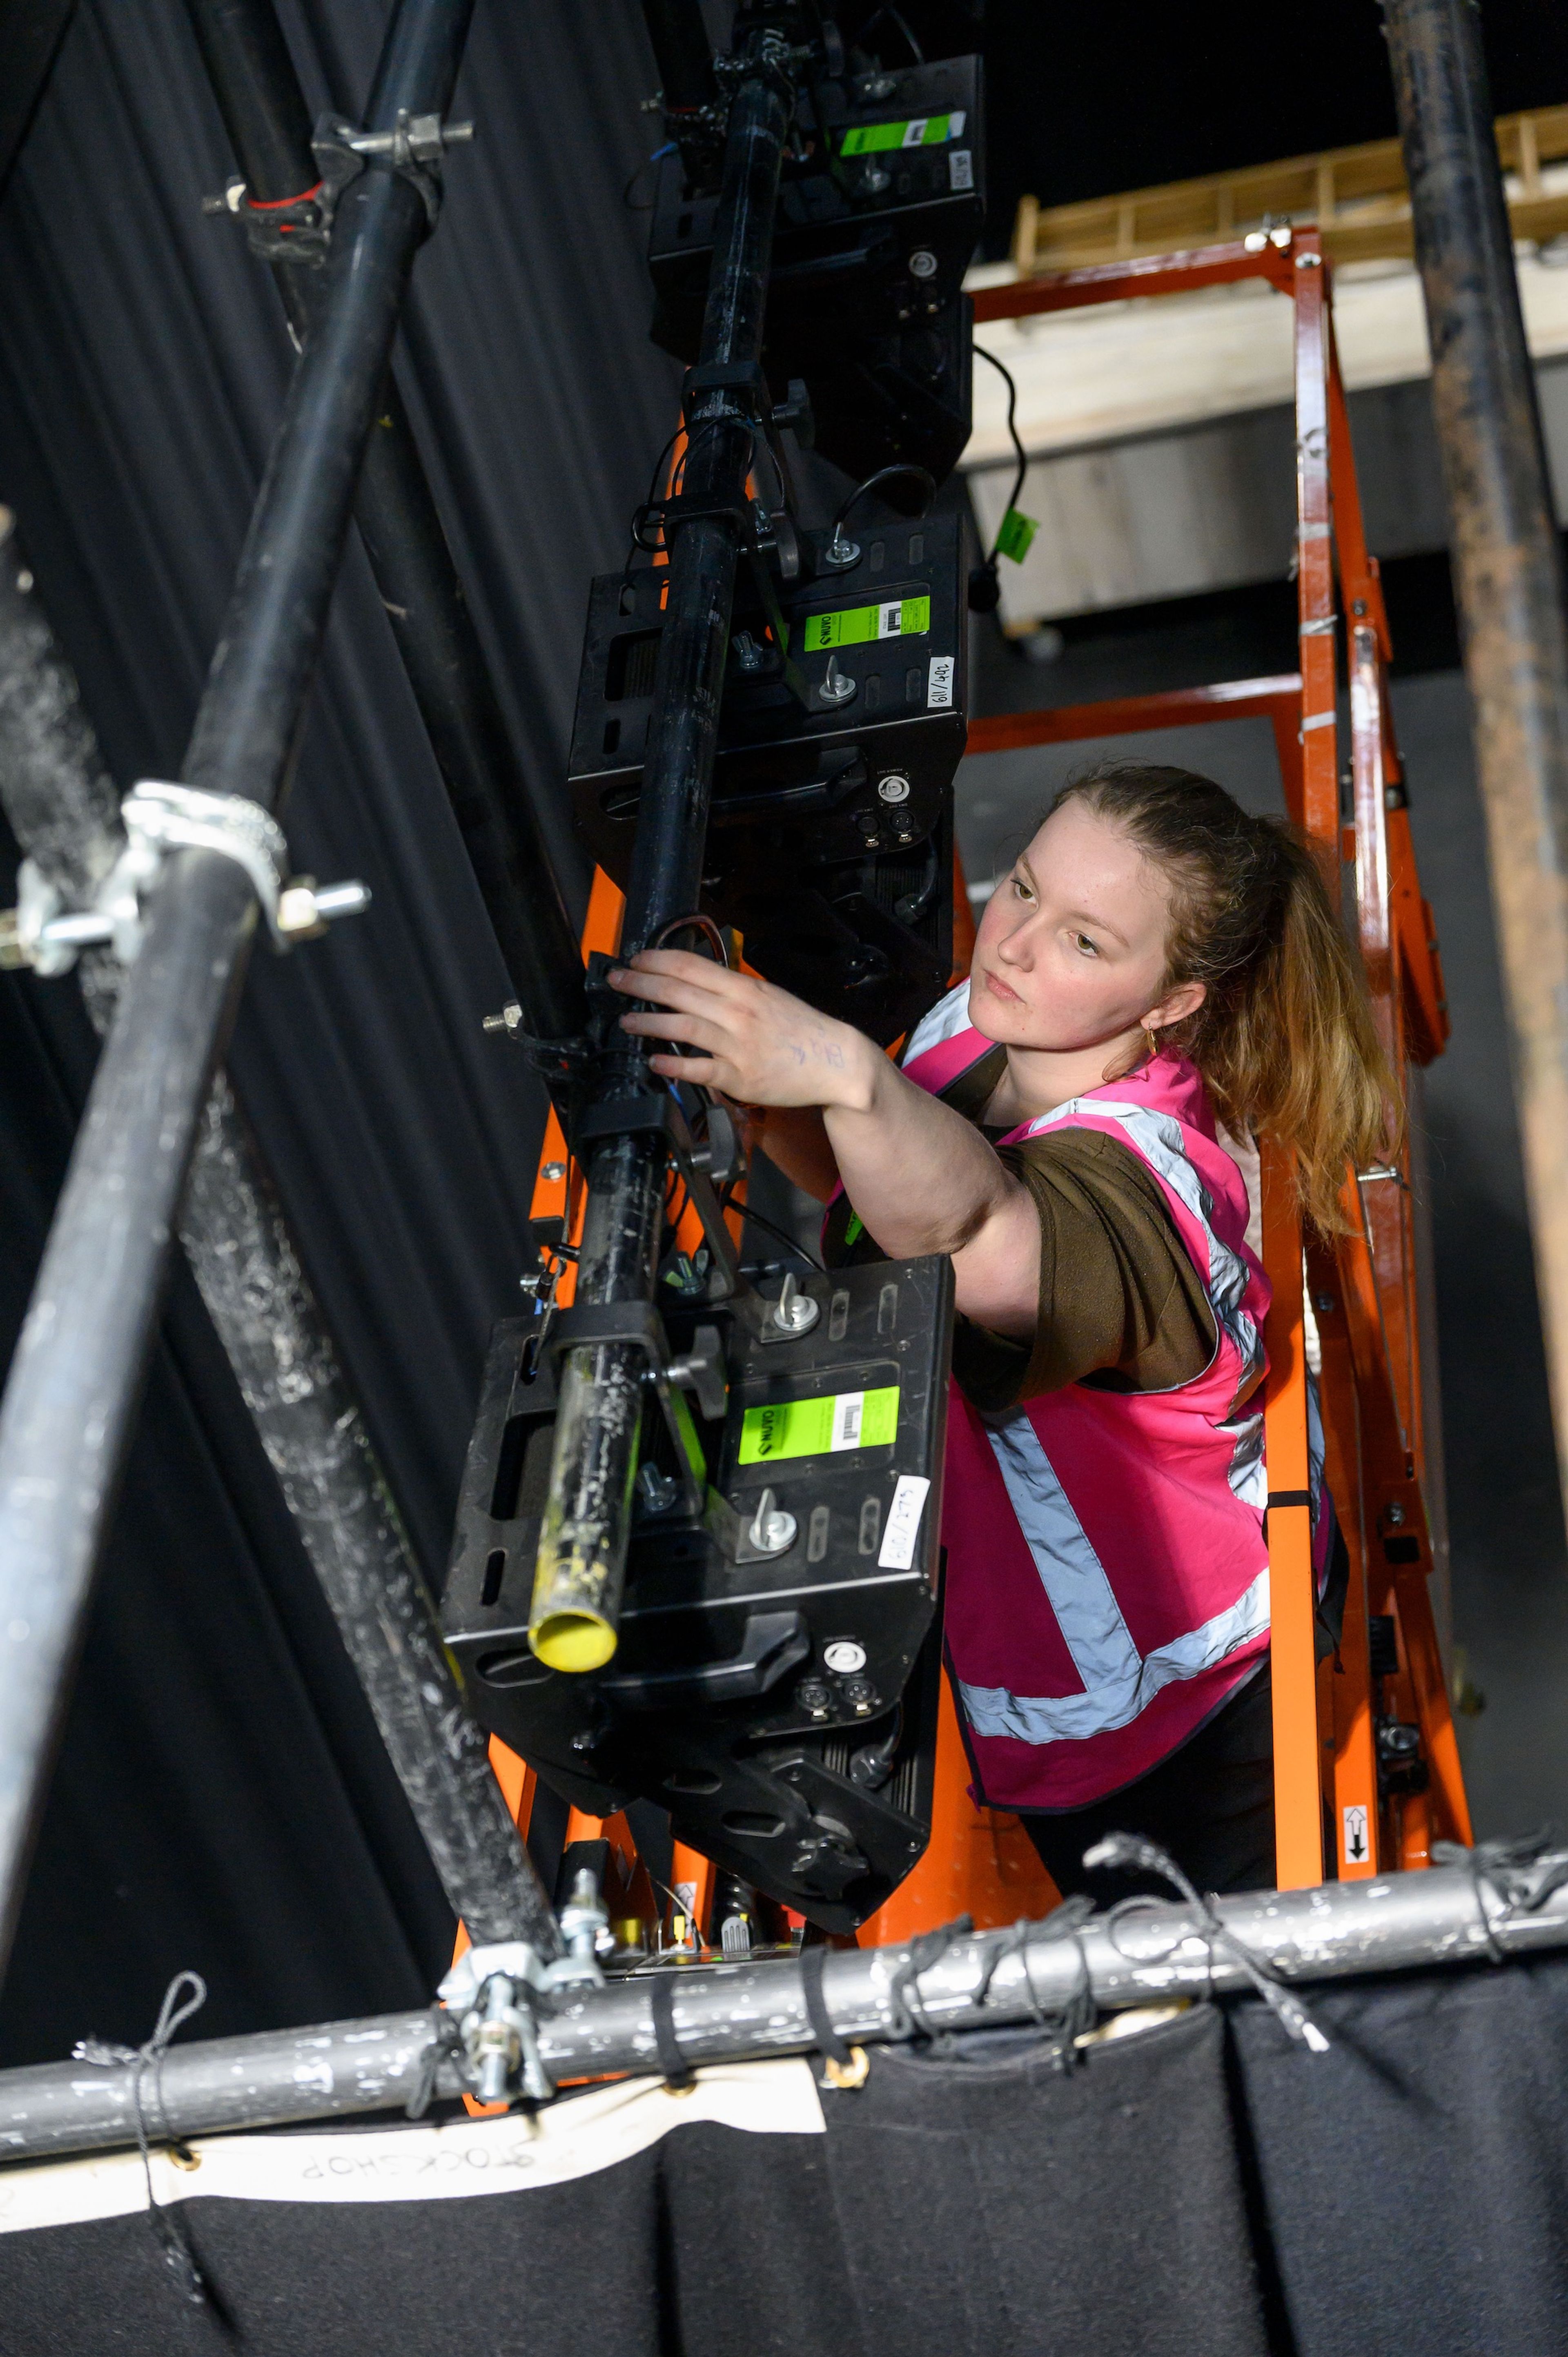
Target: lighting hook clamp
[299,228]
[158,818]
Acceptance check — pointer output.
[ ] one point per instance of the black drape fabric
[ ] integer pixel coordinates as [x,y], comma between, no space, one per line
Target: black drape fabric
[1202,2184]
[968,2206]
[567,2271]
[1414,2178]
[1030,2210]
[215,1802]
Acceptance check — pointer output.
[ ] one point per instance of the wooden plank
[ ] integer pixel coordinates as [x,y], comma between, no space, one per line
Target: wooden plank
[1358,196]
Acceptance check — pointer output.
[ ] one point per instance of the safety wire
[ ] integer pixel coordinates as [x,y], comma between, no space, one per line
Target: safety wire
[1132,1853]
[1020,454]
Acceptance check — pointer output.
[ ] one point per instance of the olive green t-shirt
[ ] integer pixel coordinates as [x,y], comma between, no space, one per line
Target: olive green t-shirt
[1121,1306]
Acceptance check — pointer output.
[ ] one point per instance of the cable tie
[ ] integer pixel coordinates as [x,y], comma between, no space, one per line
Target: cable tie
[168,2227]
[679,2074]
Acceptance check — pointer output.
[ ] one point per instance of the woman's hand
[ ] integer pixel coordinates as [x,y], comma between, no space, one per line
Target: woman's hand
[922,1179]
[754,1042]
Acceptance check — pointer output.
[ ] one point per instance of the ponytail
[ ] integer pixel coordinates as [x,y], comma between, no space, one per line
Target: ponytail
[1284,1038]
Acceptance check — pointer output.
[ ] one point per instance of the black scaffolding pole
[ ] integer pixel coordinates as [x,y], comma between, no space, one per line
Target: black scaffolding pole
[265,113]
[64,812]
[587,1526]
[76,1377]
[1508,586]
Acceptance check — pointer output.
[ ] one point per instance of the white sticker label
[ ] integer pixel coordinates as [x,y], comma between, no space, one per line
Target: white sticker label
[904,1523]
[939,682]
[890,619]
[915,131]
[849,1414]
[1357,1849]
[960,168]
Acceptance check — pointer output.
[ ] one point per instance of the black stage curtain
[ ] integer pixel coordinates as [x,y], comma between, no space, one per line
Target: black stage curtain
[220,1799]
[1202,2184]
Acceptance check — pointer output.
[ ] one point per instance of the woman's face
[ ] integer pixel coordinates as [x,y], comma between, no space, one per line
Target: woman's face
[1072,949]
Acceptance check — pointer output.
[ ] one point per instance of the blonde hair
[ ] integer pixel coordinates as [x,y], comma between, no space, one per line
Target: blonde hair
[1284,1038]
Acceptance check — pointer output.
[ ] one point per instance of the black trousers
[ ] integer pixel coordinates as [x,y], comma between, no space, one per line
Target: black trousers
[1212,1804]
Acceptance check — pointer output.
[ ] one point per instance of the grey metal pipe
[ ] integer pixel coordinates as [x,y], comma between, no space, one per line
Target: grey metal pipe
[748,2012]
[64,812]
[79,1363]
[1508,577]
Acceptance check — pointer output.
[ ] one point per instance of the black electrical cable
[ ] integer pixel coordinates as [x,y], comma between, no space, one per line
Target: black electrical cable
[984,585]
[667,149]
[908,471]
[781,1235]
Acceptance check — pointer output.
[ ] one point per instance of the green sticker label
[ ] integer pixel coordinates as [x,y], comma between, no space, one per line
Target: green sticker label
[901,618]
[819,1427]
[918,130]
[855,1230]
[1017,531]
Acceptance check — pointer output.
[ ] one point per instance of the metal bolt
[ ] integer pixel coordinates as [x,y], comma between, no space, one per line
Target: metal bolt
[1395,1515]
[659,1492]
[794,1312]
[552,1173]
[771,1531]
[835,687]
[510,1019]
[840,552]
[894,789]
[1325,1303]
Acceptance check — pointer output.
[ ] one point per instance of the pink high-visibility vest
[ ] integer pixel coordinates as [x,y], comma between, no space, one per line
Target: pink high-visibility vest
[1107,1568]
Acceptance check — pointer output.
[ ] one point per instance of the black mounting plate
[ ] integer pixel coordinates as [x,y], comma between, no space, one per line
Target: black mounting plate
[726,1702]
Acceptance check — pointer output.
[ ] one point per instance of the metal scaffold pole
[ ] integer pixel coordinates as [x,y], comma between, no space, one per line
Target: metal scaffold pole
[79,1363]
[1508,585]
[64,812]
[587,1519]
[1060,1973]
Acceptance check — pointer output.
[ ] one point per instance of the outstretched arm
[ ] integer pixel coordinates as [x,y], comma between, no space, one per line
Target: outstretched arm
[921,1179]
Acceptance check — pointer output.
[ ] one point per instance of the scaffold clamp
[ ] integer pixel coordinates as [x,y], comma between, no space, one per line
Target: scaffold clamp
[43,933]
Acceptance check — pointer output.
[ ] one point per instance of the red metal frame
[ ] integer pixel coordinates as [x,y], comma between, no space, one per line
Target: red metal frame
[1363,1285]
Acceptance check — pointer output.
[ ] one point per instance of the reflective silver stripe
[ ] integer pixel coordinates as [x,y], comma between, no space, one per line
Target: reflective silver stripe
[1057,1718]
[1158,1137]
[949,1015]
[1246,1472]
[1071,1574]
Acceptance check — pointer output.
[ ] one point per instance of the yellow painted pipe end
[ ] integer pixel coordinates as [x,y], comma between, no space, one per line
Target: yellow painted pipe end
[573,1640]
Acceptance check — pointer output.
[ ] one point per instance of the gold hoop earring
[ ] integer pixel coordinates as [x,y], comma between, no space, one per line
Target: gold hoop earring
[1151,1040]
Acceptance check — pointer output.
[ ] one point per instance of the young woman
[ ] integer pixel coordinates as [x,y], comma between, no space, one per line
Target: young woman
[1160,976]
